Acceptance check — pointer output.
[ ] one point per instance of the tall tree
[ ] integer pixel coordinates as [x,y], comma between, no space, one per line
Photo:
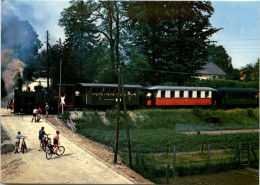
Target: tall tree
[173,35]
[251,71]
[111,17]
[219,56]
[80,27]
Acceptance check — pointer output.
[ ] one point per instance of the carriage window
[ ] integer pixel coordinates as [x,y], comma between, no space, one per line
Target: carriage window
[190,94]
[181,94]
[198,94]
[206,94]
[112,92]
[162,94]
[94,92]
[172,94]
[99,92]
[106,91]
[133,92]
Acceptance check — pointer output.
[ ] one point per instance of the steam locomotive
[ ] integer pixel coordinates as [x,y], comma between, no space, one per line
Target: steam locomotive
[97,95]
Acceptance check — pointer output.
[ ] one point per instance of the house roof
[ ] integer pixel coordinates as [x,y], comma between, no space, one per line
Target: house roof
[212,69]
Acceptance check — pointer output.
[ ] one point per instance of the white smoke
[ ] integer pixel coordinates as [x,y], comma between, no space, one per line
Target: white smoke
[12,69]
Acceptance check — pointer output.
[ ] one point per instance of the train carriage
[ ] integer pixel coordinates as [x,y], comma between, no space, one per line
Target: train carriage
[238,96]
[95,94]
[179,96]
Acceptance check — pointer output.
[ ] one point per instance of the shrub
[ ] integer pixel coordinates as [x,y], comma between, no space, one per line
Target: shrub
[197,111]
[211,117]
[250,113]
[65,116]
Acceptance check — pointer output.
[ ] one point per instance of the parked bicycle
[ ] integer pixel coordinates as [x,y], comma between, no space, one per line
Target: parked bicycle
[51,150]
[23,145]
[45,142]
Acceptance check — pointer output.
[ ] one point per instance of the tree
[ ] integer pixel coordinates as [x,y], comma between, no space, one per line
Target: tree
[132,73]
[80,29]
[219,56]
[111,16]
[173,35]
[251,71]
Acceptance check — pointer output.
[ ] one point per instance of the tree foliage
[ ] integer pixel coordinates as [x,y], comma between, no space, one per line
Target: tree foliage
[82,40]
[251,71]
[173,35]
[219,56]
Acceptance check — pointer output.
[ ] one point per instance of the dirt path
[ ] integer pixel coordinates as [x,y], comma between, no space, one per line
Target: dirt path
[84,161]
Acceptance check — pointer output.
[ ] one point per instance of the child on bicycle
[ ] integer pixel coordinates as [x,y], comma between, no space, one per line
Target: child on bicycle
[41,137]
[56,141]
[17,142]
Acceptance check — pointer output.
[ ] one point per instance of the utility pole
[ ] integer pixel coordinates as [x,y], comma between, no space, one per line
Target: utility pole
[48,67]
[118,115]
[126,124]
[60,80]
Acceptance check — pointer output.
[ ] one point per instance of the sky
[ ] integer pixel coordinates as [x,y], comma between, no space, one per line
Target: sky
[240,21]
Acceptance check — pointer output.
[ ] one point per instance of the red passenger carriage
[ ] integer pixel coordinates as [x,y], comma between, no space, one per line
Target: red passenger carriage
[179,96]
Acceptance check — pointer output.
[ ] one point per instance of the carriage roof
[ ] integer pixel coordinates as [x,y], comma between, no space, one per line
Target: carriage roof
[109,85]
[183,88]
[237,89]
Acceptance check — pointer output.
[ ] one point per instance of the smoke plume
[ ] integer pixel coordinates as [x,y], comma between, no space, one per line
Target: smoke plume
[12,69]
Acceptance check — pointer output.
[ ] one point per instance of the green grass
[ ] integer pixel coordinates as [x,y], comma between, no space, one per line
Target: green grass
[198,119]
[156,140]
[154,132]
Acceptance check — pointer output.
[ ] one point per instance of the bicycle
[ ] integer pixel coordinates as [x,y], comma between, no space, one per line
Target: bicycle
[45,142]
[23,145]
[51,150]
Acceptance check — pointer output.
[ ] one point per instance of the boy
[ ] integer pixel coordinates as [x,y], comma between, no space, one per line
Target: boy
[17,142]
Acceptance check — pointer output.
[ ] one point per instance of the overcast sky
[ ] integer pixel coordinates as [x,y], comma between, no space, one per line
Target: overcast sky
[240,21]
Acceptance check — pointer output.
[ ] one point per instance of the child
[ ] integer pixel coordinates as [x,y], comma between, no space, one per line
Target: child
[41,137]
[47,107]
[17,142]
[39,111]
[35,111]
[56,141]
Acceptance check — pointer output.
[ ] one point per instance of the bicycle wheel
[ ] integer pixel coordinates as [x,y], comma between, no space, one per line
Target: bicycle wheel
[48,154]
[60,150]
[22,148]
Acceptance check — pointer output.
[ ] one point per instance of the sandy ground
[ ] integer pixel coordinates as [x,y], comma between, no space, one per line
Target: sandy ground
[84,161]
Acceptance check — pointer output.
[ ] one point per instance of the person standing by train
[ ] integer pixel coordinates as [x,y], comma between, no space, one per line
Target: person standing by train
[39,111]
[35,111]
[47,107]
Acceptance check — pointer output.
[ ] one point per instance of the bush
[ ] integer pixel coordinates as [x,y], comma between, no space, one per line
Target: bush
[65,116]
[211,117]
[197,111]
[250,113]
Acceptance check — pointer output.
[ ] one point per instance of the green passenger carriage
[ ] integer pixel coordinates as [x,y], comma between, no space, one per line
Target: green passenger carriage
[102,95]
[238,96]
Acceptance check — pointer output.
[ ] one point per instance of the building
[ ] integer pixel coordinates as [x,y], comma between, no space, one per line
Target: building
[211,72]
